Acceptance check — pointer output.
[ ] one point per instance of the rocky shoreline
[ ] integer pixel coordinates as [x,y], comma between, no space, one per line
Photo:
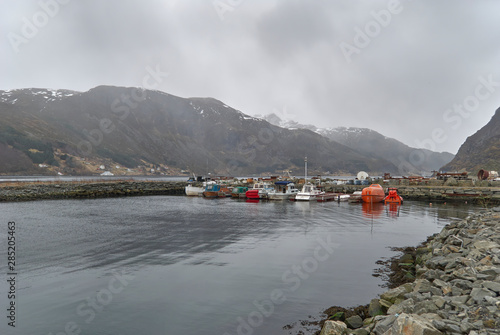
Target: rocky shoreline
[456,290]
[74,190]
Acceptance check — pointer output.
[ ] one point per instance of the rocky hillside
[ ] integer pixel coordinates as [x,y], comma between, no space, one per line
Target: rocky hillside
[130,130]
[479,151]
[375,145]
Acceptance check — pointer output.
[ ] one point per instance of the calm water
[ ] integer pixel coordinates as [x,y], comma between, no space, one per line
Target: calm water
[178,265]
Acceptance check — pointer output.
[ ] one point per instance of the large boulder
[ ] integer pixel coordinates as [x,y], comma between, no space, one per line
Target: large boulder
[412,324]
[334,328]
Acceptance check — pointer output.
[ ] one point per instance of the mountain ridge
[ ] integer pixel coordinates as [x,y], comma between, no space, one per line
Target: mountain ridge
[481,150]
[373,144]
[153,131]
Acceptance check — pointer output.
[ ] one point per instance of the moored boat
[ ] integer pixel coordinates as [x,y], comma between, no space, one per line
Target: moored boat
[373,193]
[309,192]
[239,192]
[259,191]
[284,190]
[355,197]
[393,197]
[216,191]
[194,191]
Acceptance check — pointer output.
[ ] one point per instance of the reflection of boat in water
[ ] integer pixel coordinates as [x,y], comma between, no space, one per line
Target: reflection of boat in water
[393,197]
[393,209]
[372,210]
[373,193]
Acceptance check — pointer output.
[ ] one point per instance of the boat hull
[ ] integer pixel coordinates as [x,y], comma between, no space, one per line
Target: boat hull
[214,194]
[193,191]
[305,197]
[373,194]
[280,196]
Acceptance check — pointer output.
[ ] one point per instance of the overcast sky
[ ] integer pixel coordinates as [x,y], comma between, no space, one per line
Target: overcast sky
[402,68]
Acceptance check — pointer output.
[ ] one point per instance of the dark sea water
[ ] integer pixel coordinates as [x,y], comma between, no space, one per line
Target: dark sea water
[179,265]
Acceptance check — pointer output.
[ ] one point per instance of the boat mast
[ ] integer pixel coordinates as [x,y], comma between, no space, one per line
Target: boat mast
[305,161]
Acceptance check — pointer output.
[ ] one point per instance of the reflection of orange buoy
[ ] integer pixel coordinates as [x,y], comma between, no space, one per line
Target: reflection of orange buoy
[372,209]
[393,209]
[393,197]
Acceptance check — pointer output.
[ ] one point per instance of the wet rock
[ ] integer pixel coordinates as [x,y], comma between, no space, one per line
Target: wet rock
[354,322]
[375,308]
[383,324]
[394,294]
[334,328]
[412,324]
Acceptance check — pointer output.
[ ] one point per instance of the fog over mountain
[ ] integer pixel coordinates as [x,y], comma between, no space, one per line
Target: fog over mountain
[424,72]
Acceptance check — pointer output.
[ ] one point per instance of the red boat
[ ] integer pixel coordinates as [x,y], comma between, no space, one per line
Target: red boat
[259,191]
[393,197]
[373,193]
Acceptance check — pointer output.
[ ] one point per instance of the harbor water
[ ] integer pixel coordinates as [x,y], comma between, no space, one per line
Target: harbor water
[179,265]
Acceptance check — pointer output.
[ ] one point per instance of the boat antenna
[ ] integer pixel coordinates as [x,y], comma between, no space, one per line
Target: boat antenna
[305,178]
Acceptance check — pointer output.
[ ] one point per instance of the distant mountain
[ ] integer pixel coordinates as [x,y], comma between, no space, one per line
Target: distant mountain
[479,151]
[130,130]
[375,145]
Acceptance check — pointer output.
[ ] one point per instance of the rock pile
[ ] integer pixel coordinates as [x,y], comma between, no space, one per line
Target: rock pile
[27,192]
[457,290]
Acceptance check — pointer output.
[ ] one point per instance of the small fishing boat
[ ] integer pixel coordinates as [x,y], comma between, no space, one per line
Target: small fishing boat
[393,197]
[309,192]
[356,197]
[239,192]
[259,191]
[216,191]
[373,193]
[194,191]
[284,190]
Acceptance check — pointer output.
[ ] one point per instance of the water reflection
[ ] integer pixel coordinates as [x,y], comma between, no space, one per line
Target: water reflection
[372,210]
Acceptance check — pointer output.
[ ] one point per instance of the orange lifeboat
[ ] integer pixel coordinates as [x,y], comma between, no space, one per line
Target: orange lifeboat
[393,197]
[373,193]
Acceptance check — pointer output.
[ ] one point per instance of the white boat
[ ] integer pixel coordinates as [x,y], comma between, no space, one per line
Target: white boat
[309,192]
[194,191]
[284,190]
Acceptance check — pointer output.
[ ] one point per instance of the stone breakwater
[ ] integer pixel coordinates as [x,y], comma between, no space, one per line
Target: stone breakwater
[27,192]
[433,193]
[457,290]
